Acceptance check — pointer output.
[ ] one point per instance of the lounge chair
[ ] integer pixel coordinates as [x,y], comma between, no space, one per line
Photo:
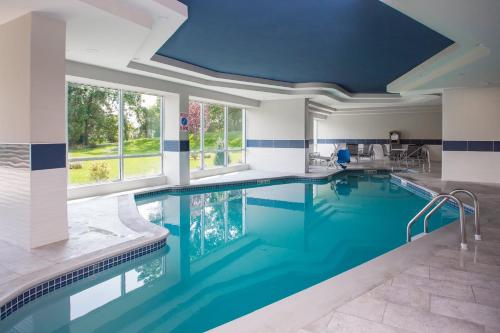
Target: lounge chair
[397,152]
[367,151]
[414,153]
[329,161]
[353,150]
[385,150]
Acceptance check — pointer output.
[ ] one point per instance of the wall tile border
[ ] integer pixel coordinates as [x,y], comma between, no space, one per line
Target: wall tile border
[477,146]
[15,156]
[381,141]
[176,145]
[251,143]
[53,284]
[33,156]
[46,156]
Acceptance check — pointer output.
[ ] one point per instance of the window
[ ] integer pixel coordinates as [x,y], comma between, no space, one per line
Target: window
[235,136]
[216,135]
[141,135]
[112,135]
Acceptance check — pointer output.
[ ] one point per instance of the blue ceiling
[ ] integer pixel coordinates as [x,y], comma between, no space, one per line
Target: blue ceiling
[361,45]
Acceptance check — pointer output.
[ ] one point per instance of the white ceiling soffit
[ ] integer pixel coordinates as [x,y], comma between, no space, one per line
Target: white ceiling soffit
[106,33]
[318,111]
[319,116]
[471,62]
[387,110]
[320,106]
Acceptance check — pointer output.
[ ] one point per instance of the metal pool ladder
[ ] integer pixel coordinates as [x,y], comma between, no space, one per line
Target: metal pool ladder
[444,198]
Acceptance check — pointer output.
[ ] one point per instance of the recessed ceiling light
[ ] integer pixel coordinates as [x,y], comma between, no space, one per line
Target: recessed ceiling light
[92,50]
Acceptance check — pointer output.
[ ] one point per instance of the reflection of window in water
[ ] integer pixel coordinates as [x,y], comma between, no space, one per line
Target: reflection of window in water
[100,294]
[216,219]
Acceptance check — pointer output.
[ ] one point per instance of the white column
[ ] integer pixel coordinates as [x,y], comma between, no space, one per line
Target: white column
[175,141]
[33,175]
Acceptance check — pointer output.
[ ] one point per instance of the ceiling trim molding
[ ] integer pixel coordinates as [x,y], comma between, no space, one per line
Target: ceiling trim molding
[91,74]
[386,110]
[202,77]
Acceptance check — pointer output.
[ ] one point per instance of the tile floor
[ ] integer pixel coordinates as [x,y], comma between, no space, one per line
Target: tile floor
[95,231]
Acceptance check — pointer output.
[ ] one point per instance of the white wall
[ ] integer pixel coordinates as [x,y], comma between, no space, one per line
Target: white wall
[471,115]
[277,120]
[419,124]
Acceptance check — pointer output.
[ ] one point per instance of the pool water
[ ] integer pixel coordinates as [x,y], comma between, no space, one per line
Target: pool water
[233,251]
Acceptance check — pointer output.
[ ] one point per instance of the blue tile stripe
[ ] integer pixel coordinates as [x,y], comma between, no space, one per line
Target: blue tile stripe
[288,205]
[46,156]
[381,141]
[277,143]
[462,145]
[71,277]
[176,145]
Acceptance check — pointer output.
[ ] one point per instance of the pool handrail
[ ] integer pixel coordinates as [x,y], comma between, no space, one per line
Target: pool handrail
[477,227]
[463,236]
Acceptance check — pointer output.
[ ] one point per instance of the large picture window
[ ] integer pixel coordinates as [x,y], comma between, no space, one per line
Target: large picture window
[216,136]
[112,134]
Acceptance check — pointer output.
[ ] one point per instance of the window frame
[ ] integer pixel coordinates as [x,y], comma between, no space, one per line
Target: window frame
[120,156]
[202,151]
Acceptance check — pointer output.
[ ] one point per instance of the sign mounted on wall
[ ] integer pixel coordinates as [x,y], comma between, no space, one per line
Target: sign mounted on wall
[183,121]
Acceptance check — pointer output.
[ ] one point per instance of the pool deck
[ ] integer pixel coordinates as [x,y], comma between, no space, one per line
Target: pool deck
[428,285]
[98,228]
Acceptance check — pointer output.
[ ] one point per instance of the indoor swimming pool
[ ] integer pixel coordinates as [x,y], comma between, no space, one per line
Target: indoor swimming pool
[234,250]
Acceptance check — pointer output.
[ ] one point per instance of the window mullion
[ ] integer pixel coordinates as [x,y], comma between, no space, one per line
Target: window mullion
[244,133]
[202,136]
[226,156]
[120,133]
[162,117]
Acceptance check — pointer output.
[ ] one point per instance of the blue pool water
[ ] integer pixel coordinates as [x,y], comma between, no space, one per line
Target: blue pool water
[233,251]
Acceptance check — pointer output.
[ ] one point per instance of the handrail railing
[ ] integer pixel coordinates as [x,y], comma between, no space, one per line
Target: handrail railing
[477,235]
[463,236]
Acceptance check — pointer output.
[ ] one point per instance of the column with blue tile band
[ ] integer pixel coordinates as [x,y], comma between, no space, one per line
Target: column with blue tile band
[175,140]
[33,174]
